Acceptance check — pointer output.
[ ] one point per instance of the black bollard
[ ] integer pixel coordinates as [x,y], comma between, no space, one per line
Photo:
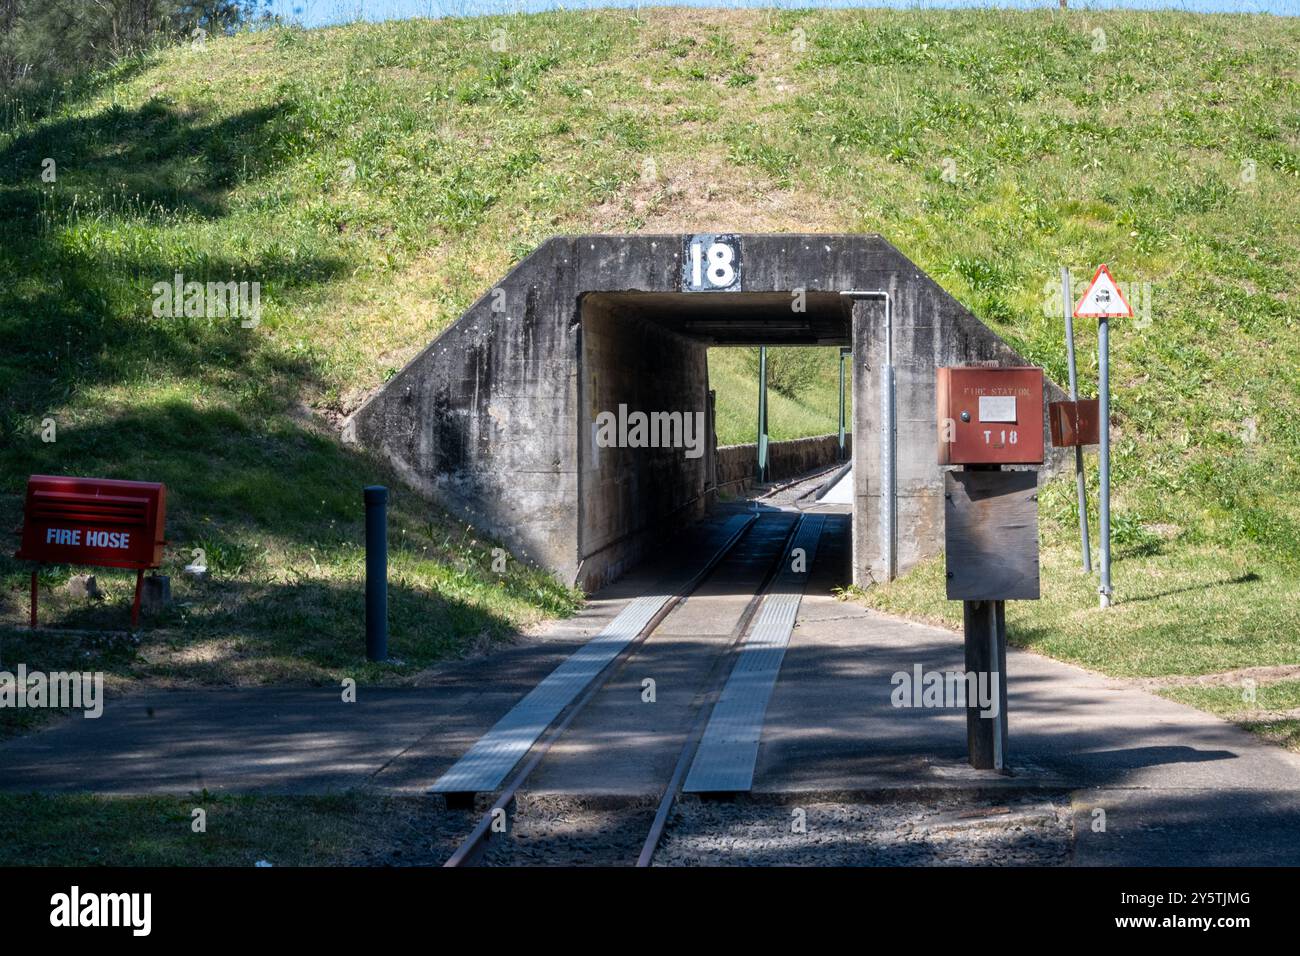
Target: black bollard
[376,497]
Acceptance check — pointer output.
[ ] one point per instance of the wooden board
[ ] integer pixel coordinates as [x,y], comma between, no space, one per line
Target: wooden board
[991,535]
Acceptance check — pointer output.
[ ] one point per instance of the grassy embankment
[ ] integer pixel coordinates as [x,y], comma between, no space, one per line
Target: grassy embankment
[376,178]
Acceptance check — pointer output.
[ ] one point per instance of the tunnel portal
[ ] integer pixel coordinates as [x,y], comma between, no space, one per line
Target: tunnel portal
[522,417]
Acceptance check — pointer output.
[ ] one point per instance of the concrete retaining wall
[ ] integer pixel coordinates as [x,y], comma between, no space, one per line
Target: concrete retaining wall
[786,460]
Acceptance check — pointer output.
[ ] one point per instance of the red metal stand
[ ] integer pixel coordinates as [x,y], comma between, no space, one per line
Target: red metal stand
[135,606]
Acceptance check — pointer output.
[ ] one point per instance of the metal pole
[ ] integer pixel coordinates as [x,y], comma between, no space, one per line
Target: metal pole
[841,404]
[376,498]
[889,496]
[1103,362]
[135,605]
[762,414]
[1079,479]
[998,681]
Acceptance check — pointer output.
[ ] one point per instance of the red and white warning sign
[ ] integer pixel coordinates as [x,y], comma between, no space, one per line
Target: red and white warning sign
[1103,298]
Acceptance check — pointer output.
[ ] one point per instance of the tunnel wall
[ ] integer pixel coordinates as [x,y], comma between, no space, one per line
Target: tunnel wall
[486,421]
[930,330]
[632,498]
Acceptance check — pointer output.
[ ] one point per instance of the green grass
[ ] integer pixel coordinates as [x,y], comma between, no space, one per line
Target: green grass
[814,411]
[1180,610]
[158,831]
[377,178]
[1274,714]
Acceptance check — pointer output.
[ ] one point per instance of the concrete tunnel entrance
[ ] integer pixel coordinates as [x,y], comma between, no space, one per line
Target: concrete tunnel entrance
[647,353]
[493,420]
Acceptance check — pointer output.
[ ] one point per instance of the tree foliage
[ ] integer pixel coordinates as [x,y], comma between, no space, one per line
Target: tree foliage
[45,41]
[792,371]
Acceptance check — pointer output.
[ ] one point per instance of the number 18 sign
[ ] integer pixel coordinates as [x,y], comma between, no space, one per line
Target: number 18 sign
[711,264]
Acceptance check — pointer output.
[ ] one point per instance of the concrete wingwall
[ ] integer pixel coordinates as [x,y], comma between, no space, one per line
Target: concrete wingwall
[493,420]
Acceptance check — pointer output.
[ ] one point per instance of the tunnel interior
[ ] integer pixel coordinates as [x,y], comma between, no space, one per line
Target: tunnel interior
[643,477]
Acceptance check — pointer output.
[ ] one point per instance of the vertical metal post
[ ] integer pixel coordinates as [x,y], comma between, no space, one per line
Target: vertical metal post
[1068,305]
[762,414]
[1103,363]
[843,353]
[376,498]
[998,682]
[888,494]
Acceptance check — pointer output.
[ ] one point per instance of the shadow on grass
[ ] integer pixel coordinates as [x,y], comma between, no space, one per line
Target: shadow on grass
[1250,577]
[83,253]
[277,509]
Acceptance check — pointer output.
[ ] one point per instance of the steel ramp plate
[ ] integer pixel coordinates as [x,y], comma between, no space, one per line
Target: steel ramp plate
[724,762]
[485,765]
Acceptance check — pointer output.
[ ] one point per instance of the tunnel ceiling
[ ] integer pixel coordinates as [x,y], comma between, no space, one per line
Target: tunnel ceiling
[738,318]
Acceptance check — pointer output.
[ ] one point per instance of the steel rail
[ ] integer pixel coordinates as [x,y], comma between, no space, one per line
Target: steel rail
[719,676]
[471,849]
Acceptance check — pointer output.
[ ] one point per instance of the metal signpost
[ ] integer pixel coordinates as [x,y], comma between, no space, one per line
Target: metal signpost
[1067,305]
[1102,301]
[844,354]
[762,414]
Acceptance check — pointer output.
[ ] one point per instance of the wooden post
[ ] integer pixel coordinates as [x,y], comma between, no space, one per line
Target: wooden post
[984,624]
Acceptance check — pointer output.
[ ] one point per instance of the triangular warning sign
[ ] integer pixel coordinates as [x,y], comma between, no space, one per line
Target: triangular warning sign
[1103,298]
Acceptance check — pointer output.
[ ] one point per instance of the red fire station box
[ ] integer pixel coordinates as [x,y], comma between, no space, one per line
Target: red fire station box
[95,521]
[990,416]
[1074,423]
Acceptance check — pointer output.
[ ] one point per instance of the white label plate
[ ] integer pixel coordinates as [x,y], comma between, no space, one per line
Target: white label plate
[997,408]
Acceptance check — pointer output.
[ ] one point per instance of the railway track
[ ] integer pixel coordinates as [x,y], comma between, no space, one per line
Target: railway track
[500,822]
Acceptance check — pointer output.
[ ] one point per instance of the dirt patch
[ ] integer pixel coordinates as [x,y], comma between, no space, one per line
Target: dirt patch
[1262,675]
[707,193]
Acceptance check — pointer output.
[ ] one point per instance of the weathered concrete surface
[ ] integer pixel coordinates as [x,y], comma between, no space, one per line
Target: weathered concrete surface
[631,498]
[491,418]
[786,459]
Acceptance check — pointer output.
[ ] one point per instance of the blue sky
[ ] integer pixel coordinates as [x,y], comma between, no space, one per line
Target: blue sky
[321,12]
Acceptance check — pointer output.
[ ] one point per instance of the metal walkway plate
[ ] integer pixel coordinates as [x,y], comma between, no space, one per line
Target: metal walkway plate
[724,762]
[485,765]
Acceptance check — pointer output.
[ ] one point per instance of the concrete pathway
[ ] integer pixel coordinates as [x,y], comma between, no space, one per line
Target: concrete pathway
[1177,786]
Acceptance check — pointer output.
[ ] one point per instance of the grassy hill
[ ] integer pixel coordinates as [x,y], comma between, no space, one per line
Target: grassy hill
[375,179]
